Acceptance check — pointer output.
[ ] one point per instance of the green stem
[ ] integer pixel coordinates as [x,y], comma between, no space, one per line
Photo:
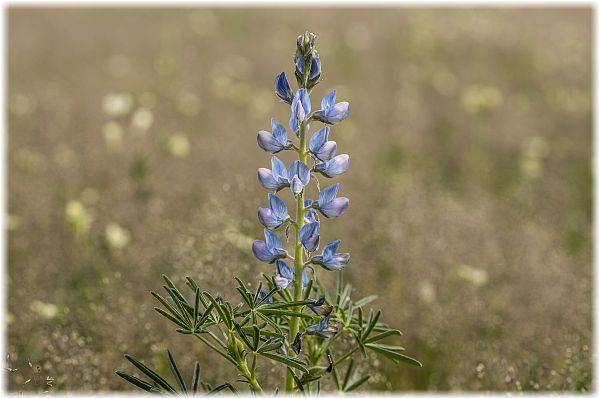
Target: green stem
[242,366]
[298,258]
[213,347]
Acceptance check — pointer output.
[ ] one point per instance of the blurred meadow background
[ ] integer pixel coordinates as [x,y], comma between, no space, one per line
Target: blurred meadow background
[132,152]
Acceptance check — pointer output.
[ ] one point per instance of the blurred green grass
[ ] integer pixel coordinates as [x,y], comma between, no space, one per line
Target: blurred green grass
[131,153]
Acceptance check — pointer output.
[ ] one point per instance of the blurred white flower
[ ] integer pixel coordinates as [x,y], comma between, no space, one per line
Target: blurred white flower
[117,104]
[117,237]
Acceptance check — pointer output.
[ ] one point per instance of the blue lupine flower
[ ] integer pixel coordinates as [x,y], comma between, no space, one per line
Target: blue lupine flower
[300,109]
[322,329]
[309,236]
[274,179]
[329,205]
[320,147]
[330,112]
[335,166]
[285,276]
[330,259]
[269,250]
[275,141]
[309,214]
[273,216]
[282,88]
[298,176]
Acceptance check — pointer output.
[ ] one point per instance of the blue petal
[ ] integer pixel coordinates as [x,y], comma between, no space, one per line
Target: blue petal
[327,151]
[279,133]
[268,142]
[328,101]
[262,252]
[309,236]
[284,270]
[305,100]
[296,185]
[318,139]
[282,88]
[328,194]
[278,207]
[335,166]
[310,216]
[330,249]
[298,168]
[266,179]
[338,113]
[279,171]
[315,68]
[272,239]
[268,218]
[335,208]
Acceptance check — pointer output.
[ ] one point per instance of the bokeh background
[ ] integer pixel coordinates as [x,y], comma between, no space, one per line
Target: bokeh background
[132,153]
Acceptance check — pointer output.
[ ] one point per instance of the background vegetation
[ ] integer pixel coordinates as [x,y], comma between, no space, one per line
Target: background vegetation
[131,153]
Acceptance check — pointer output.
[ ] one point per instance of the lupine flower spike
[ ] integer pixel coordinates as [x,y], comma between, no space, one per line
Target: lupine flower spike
[273,322]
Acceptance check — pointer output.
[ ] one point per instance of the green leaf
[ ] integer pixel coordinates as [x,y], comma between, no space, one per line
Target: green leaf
[282,312]
[357,383]
[286,360]
[179,305]
[299,384]
[222,387]
[196,377]
[279,305]
[175,371]
[373,317]
[383,335]
[146,386]
[172,286]
[205,316]
[393,355]
[258,289]
[255,337]
[150,373]
[222,313]
[336,379]
[266,297]
[246,297]
[191,283]
[348,373]
[364,301]
[167,305]
[270,322]
[170,317]
[270,345]
[242,335]
[196,306]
